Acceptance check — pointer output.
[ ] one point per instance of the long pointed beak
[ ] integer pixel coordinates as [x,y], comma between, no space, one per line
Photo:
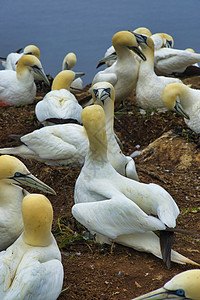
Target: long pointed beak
[178,107]
[141,39]
[79,74]
[34,182]
[41,73]
[138,52]
[112,56]
[158,294]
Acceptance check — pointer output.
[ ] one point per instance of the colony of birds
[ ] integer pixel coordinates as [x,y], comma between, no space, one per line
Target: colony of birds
[109,199]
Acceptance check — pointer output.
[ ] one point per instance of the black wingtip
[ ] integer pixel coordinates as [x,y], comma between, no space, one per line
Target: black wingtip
[166,241]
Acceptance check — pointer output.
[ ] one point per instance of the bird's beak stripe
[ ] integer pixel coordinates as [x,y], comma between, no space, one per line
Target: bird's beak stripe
[34,182]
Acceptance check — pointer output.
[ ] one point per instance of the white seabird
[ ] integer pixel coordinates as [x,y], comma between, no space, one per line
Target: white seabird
[67,144]
[18,87]
[111,56]
[123,73]
[13,174]
[59,106]
[104,95]
[118,208]
[186,101]
[31,267]
[149,86]
[12,58]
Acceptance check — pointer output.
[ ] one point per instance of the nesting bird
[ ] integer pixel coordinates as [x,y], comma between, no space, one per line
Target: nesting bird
[12,58]
[186,101]
[18,87]
[123,73]
[67,144]
[13,174]
[31,267]
[117,208]
[59,106]
[184,285]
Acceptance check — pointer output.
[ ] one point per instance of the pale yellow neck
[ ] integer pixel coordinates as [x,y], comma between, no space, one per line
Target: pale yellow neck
[23,73]
[39,238]
[63,80]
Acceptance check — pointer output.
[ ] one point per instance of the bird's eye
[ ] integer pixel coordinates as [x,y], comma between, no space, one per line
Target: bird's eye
[108,91]
[35,67]
[95,92]
[17,174]
[180,292]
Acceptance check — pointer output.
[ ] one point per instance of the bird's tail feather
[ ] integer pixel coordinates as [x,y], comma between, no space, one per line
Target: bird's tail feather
[150,242]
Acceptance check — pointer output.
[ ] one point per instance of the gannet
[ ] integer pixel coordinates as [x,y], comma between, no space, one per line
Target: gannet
[67,144]
[111,56]
[14,173]
[149,86]
[184,285]
[59,105]
[186,101]
[115,207]
[31,267]
[104,95]
[18,87]
[123,73]
[174,61]
[12,58]
[68,63]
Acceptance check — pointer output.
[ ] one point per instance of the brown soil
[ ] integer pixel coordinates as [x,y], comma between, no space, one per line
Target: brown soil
[104,272]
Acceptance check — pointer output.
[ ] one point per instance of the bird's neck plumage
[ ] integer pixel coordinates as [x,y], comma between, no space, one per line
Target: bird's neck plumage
[109,115]
[188,97]
[123,53]
[97,153]
[148,64]
[11,195]
[24,74]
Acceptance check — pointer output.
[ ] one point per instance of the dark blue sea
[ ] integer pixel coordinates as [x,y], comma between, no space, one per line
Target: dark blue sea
[86,27]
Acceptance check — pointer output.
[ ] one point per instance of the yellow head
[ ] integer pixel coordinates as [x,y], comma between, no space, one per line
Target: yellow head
[93,118]
[168,40]
[10,165]
[32,64]
[171,97]
[186,284]
[190,50]
[169,94]
[13,171]
[143,30]
[33,50]
[69,61]
[101,91]
[37,213]
[63,80]
[124,38]
[29,61]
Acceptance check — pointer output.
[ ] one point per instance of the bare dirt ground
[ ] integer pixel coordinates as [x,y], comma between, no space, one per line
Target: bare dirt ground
[173,161]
